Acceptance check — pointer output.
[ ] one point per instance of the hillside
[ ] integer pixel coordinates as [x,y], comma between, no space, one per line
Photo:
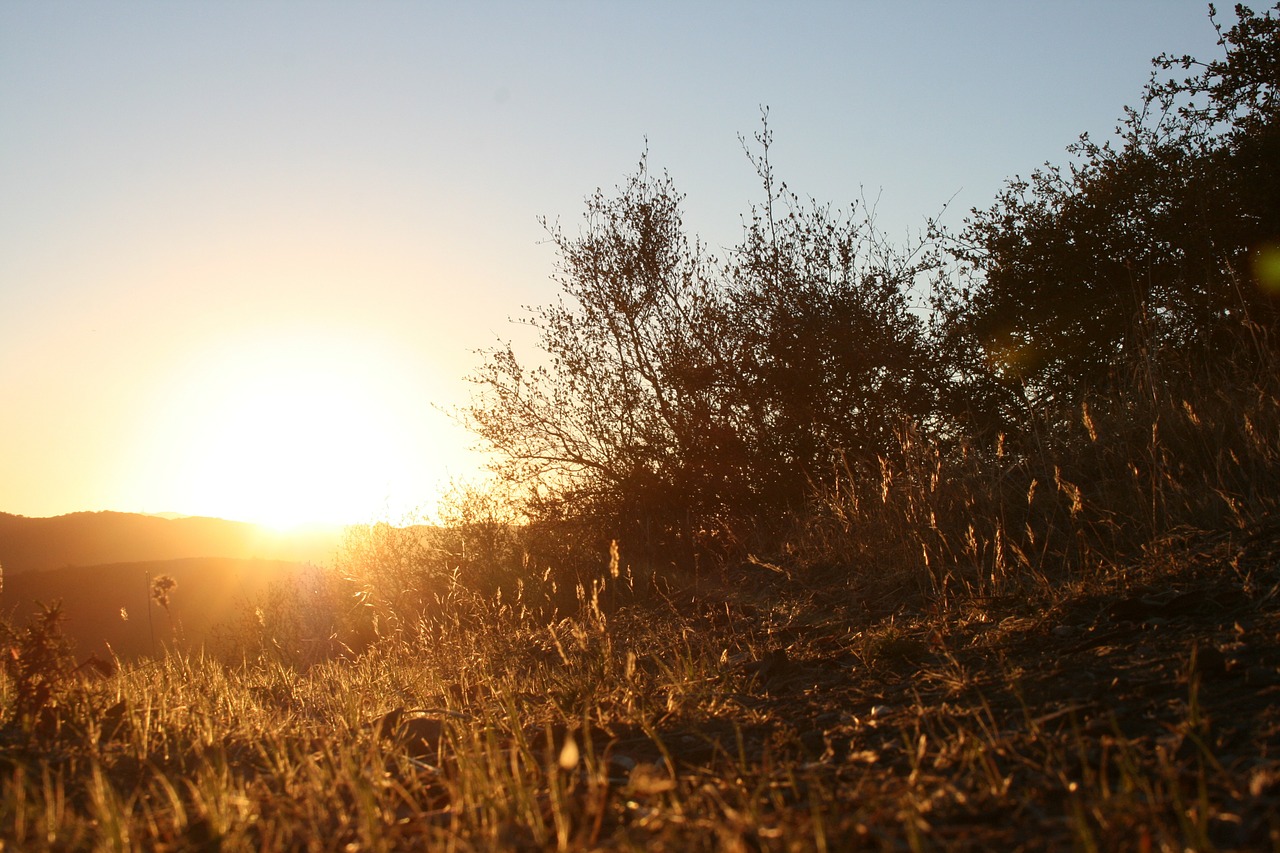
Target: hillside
[1127,711]
[96,538]
[108,608]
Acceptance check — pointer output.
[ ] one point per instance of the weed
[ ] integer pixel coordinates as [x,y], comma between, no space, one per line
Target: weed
[37,660]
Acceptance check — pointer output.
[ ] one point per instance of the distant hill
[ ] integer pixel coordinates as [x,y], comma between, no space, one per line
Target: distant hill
[108,604]
[97,538]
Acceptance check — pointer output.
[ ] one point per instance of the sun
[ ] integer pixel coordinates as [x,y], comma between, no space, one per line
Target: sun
[291,429]
[293,448]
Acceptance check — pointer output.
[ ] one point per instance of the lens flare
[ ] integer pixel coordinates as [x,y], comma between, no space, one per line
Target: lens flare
[1266,268]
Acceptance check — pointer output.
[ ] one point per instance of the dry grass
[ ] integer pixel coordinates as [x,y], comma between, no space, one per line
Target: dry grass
[1007,724]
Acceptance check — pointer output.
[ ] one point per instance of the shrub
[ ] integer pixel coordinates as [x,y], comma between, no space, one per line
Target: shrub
[37,660]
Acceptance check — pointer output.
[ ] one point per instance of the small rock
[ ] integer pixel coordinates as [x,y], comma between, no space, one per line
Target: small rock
[418,736]
[1065,631]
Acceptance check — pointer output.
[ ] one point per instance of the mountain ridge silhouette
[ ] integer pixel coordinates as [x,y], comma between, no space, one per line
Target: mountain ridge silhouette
[98,538]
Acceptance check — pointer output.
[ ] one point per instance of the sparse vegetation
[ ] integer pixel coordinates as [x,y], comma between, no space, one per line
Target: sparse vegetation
[778,588]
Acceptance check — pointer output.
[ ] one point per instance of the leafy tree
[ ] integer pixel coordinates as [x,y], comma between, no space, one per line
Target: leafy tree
[683,401]
[1140,242]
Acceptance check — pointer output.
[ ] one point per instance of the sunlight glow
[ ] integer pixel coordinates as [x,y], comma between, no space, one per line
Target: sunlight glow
[288,449]
[288,429]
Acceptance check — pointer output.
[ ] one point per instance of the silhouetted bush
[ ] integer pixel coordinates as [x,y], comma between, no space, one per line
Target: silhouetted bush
[683,405]
[37,660]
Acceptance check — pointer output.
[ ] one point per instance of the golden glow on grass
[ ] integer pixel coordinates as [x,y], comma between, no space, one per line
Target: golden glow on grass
[287,428]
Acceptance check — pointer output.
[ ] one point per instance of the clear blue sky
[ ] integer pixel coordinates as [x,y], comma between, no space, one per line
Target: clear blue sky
[245,247]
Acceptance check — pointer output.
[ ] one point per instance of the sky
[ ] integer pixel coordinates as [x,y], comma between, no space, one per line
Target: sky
[249,251]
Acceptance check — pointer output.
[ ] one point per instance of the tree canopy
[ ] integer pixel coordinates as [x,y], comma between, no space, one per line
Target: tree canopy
[1145,240]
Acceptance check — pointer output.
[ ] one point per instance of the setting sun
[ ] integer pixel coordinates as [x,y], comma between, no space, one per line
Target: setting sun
[286,429]
[294,447]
